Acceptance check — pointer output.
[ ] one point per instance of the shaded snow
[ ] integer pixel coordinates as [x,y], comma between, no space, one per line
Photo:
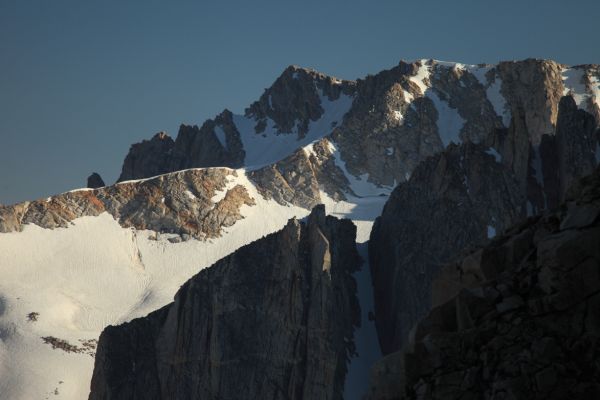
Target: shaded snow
[360,185]
[497,156]
[493,92]
[220,134]
[573,79]
[595,87]
[491,231]
[365,337]
[449,121]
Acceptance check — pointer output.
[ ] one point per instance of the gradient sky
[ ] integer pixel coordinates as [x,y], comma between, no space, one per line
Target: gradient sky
[81,81]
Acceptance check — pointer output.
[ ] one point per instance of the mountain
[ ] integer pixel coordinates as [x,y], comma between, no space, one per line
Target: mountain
[504,141]
[283,307]
[517,318]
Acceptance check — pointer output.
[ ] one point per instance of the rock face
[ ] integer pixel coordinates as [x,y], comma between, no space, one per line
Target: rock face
[148,158]
[288,107]
[515,319]
[543,137]
[273,320]
[294,100]
[95,181]
[453,199]
[215,144]
[178,203]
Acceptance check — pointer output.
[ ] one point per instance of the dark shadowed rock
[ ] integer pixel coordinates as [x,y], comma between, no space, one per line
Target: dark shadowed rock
[148,158]
[452,200]
[95,181]
[517,319]
[274,320]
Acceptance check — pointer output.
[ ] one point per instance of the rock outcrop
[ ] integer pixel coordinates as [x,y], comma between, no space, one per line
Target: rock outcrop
[273,320]
[294,100]
[180,203]
[216,143]
[517,319]
[148,158]
[95,181]
[454,199]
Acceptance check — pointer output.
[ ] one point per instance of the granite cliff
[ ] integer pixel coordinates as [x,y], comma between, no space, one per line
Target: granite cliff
[273,320]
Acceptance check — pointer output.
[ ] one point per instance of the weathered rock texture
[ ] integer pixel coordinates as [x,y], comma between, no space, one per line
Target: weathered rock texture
[517,319]
[291,103]
[452,200]
[148,158]
[178,203]
[294,100]
[398,119]
[274,320]
[200,147]
[299,178]
[95,181]
[550,141]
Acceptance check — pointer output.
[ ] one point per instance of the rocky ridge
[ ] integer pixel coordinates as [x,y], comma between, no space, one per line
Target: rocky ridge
[295,332]
[180,203]
[393,120]
[515,319]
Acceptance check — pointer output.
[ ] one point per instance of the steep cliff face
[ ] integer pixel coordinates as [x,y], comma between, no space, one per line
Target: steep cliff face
[515,319]
[273,320]
[456,198]
[543,138]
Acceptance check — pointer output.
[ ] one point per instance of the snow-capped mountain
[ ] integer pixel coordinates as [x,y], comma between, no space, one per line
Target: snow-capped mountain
[77,262]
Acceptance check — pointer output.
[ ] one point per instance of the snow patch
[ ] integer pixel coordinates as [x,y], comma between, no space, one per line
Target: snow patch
[497,156]
[423,73]
[398,115]
[493,92]
[389,151]
[491,231]
[190,195]
[574,82]
[449,121]
[358,184]
[595,88]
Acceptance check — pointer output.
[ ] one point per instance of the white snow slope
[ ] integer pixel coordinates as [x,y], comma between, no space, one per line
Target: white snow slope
[94,273]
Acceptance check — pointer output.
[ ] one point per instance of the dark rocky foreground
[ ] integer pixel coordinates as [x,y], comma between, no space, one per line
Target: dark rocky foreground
[517,319]
[274,320]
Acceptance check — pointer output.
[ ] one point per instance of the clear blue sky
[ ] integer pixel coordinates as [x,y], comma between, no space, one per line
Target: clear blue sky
[80,83]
